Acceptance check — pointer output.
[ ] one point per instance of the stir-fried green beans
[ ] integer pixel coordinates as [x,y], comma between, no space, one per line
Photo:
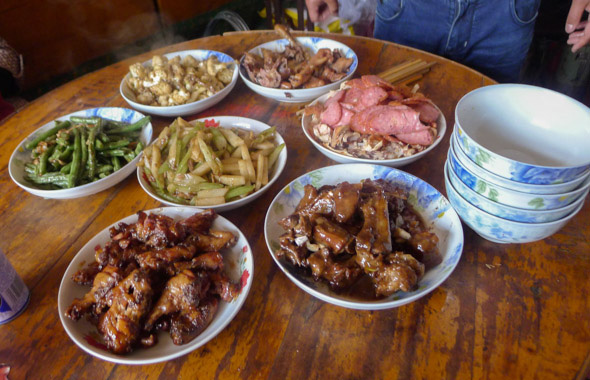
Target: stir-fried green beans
[82,150]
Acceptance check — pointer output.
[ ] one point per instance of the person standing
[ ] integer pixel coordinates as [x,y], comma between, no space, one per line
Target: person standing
[492,37]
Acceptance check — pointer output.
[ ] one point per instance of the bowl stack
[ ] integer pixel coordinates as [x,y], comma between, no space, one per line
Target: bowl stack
[518,167]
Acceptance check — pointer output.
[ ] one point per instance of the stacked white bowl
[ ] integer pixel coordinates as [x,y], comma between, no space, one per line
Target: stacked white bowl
[518,167]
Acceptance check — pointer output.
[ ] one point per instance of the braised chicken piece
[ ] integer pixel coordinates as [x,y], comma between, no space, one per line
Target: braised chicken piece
[210,261]
[332,235]
[96,299]
[345,232]
[85,276]
[129,302]
[339,274]
[211,241]
[223,287]
[175,265]
[161,259]
[181,294]
[185,326]
[398,271]
[338,202]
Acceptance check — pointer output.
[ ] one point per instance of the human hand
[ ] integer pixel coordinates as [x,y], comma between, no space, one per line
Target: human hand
[319,10]
[579,31]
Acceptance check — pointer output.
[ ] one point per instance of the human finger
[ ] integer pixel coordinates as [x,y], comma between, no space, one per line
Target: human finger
[582,39]
[575,14]
[313,7]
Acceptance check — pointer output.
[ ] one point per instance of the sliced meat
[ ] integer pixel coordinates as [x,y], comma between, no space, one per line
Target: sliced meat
[387,120]
[335,97]
[427,110]
[332,114]
[346,117]
[374,80]
[373,96]
[423,137]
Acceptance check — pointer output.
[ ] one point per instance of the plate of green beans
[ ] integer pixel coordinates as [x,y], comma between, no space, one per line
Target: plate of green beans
[81,153]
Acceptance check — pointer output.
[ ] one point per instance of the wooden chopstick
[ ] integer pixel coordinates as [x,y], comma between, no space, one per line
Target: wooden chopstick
[406,72]
[399,67]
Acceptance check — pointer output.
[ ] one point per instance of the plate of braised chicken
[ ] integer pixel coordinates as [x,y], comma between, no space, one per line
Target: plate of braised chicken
[369,120]
[297,69]
[155,285]
[363,236]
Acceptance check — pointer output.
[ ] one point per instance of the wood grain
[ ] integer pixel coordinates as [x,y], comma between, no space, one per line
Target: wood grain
[506,312]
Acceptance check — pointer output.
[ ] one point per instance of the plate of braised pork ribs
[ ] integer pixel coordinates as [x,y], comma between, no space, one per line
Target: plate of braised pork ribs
[363,236]
[155,285]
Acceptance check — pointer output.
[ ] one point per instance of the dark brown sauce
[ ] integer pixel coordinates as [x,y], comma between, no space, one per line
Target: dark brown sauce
[362,290]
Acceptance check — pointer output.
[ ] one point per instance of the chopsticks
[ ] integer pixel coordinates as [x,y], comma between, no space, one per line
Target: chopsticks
[406,72]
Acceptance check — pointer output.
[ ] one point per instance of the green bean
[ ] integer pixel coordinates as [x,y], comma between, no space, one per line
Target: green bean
[115,152]
[138,148]
[138,125]
[104,137]
[43,159]
[85,120]
[30,168]
[129,156]
[116,163]
[66,168]
[91,149]
[58,125]
[105,168]
[98,145]
[48,178]
[66,154]
[76,160]
[84,148]
[116,144]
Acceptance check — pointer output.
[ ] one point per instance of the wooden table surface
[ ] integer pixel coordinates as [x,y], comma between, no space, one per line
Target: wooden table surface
[506,312]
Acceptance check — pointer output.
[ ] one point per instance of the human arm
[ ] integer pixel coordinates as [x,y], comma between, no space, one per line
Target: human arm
[319,10]
[578,30]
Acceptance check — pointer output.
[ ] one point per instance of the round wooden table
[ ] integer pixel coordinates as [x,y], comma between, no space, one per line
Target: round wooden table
[507,311]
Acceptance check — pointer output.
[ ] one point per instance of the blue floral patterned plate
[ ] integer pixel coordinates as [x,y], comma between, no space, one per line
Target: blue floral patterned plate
[432,206]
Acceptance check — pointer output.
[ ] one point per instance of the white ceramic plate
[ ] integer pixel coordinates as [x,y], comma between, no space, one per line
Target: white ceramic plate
[231,122]
[188,108]
[239,266]
[345,158]
[313,44]
[21,156]
[432,206]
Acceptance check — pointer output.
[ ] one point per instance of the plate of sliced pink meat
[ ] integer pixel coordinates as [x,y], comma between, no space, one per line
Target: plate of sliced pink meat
[369,120]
